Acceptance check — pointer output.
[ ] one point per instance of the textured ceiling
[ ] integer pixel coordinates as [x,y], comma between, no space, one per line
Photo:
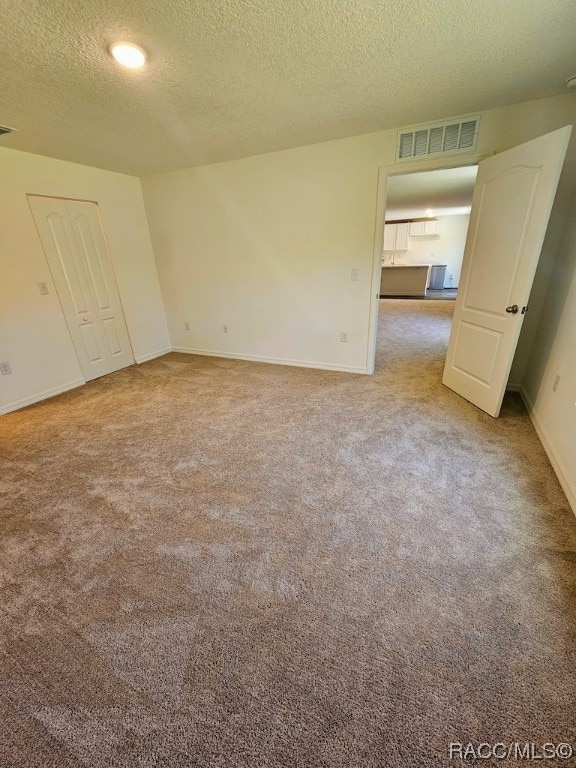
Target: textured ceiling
[450,188]
[231,78]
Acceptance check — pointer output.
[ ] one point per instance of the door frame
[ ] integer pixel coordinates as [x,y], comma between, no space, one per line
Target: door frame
[384,173]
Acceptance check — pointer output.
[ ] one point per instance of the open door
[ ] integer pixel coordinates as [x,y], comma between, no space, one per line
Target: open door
[512,201]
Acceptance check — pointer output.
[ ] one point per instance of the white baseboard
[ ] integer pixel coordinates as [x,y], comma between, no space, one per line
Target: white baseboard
[41,396]
[152,355]
[513,387]
[272,360]
[557,463]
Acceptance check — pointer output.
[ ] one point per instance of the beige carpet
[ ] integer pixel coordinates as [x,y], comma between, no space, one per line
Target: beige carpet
[220,563]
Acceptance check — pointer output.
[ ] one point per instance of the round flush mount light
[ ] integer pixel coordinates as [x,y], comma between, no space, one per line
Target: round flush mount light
[571,82]
[429,212]
[128,54]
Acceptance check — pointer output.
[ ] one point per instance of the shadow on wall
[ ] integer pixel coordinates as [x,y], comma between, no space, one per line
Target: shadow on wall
[551,286]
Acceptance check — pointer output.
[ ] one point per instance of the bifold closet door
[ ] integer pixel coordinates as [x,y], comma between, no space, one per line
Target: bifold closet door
[75,246]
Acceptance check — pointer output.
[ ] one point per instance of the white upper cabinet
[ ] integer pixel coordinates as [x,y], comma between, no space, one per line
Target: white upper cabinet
[396,237]
[421,228]
[389,237]
[402,237]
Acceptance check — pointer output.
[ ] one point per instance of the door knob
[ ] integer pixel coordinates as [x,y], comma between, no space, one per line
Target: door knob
[513,309]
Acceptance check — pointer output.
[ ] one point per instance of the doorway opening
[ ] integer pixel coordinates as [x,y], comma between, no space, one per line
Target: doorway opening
[409,192]
[426,214]
[426,222]
[513,197]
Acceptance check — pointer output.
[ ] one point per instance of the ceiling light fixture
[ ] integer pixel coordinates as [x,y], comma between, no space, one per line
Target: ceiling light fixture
[571,82]
[429,212]
[128,54]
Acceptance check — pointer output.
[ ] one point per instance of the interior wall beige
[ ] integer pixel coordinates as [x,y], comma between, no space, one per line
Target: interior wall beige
[266,245]
[34,337]
[553,355]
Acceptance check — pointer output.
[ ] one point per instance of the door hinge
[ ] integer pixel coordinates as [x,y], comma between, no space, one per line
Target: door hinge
[525,309]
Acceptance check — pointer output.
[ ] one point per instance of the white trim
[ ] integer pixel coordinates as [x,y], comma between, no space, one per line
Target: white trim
[557,464]
[513,387]
[152,355]
[272,360]
[41,396]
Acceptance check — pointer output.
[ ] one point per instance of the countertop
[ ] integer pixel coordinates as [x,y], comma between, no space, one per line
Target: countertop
[399,266]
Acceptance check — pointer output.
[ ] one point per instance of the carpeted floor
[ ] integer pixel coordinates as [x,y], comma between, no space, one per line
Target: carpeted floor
[221,563]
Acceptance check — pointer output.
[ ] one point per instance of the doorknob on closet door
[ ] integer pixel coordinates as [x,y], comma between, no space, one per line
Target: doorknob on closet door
[513,309]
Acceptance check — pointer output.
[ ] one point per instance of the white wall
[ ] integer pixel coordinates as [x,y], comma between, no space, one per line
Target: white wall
[445,248]
[33,334]
[545,270]
[554,354]
[266,246]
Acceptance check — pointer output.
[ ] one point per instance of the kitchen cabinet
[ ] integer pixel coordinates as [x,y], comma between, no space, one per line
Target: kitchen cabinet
[396,237]
[404,280]
[422,228]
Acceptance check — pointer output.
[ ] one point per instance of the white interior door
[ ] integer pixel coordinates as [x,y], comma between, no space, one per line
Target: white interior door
[512,201]
[75,245]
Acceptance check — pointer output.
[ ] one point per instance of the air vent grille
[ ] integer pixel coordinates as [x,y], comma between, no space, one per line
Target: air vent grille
[453,137]
[5,129]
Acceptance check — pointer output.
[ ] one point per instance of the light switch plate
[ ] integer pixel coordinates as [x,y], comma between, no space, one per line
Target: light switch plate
[43,288]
